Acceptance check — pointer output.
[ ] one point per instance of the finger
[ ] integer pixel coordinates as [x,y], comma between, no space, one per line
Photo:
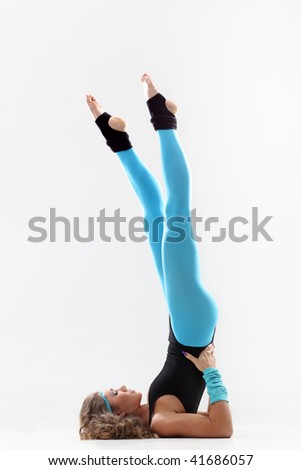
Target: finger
[189,356]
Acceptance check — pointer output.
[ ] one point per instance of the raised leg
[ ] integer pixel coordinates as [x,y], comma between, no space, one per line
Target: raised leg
[143,181]
[193,312]
[192,309]
[149,193]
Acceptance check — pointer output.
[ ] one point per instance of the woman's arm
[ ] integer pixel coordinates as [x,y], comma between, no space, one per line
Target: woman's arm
[218,423]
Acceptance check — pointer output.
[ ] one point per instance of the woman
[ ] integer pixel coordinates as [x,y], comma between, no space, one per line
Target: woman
[190,366]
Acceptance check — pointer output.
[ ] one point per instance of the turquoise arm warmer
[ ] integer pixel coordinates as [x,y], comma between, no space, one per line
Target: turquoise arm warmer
[216,390]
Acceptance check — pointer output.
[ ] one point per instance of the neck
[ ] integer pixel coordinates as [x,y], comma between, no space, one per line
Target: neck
[143,414]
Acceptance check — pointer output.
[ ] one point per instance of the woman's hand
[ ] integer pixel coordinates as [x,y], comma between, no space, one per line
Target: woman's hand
[206,358]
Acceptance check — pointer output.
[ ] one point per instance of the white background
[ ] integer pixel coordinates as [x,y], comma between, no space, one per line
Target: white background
[77,317]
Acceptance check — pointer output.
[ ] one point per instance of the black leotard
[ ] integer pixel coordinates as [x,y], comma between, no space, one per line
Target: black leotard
[178,377]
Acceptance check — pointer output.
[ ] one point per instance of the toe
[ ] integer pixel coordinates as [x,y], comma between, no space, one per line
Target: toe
[144,77]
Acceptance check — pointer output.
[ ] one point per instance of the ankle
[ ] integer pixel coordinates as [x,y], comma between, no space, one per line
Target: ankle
[171,106]
[117,123]
[117,140]
[97,112]
[161,116]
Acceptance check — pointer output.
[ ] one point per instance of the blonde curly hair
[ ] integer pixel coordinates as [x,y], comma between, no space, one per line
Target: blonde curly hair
[97,423]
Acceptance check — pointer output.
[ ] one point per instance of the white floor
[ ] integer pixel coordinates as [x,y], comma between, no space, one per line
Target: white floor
[249,438]
[57,428]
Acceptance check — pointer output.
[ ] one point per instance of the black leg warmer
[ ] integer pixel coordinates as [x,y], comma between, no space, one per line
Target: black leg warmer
[161,117]
[116,140]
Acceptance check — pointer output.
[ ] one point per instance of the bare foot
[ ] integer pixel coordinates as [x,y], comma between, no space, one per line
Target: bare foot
[150,90]
[94,106]
[115,122]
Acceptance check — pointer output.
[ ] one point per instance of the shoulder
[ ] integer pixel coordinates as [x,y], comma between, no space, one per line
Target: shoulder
[165,409]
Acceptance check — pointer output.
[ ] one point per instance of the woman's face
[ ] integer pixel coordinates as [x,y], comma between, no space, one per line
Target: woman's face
[123,400]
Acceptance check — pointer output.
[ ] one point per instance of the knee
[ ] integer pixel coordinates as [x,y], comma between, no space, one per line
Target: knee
[154,223]
[177,208]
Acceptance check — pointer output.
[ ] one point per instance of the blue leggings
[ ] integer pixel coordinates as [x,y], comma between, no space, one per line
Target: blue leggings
[193,312]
